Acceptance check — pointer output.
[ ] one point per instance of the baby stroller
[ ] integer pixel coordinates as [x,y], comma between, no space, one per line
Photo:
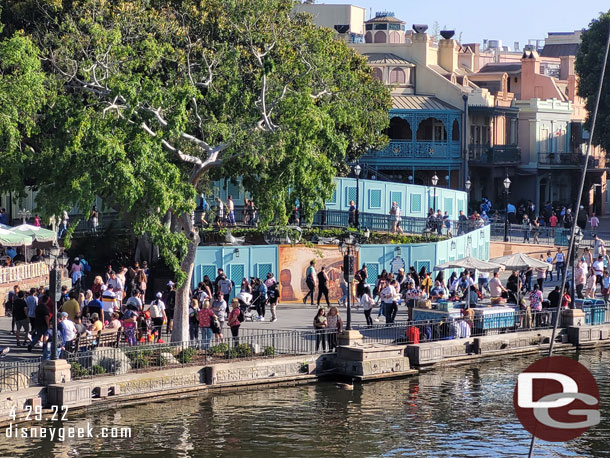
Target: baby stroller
[246,306]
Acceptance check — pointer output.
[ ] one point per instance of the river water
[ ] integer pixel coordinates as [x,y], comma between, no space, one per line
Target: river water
[463,411]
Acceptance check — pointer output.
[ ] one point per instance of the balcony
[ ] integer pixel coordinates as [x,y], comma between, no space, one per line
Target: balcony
[494,155]
[566,160]
[424,150]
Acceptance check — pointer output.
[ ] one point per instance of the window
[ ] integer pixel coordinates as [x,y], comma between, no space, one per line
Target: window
[394,26]
[396,196]
[203,270]
[420,264]
[397,76]
[432,129]
[455,131]
[416,200]
[263,269]
[333,198]
[350,194]
[448,206]
[381,27]
[374,198]
[380,37]
[236,273]
[373,271]
[544,140]
[369,27]
[400,129]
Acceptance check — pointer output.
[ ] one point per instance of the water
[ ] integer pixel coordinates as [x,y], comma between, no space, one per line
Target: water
[462,411]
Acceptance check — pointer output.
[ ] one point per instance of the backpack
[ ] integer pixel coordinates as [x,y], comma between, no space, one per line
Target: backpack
[155,310]
[241,316]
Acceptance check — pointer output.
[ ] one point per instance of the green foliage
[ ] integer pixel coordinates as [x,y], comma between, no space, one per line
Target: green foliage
[588,68]
[187,355]
[97,370]
[78,371]
[219,350]
[269,351]
[244,350]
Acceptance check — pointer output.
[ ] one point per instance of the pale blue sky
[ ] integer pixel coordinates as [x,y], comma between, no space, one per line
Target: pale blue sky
[509,21]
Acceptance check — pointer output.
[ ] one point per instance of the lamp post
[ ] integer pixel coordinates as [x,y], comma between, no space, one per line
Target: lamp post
[434,183]
[357,170]
[348,248]
[24,215]
[578,236]
[506,183]
[56,261]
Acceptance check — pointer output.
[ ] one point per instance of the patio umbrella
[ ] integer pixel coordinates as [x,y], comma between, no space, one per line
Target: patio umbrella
[11,238]
[39,234]
[470,263]
[521,261]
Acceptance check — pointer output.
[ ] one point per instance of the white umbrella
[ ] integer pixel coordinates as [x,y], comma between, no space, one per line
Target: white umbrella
[12,238]
[470,263]
[39,234]
[521,261]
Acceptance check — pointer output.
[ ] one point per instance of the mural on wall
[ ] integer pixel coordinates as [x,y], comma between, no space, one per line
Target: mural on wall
[293,263]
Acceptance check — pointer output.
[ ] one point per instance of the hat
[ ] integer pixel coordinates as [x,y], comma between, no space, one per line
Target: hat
[63,314]
[103,288]
[94,315]
[159,295]
[170,283]
[77,259]
[235,301]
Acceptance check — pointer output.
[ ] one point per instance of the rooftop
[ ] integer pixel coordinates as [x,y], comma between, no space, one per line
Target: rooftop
[386,58]
[419,102]
[560,50]
[508,67]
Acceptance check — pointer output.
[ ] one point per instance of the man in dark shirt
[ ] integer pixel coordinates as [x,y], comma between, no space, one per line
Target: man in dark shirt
[555,297]
[20,313]
[41,324]
[94,305]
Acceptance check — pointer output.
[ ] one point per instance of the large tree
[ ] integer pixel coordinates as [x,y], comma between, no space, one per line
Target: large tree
[588,68]
[157,95]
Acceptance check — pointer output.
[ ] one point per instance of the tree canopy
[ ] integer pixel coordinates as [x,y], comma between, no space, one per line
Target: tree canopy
[153,97]
[588,67]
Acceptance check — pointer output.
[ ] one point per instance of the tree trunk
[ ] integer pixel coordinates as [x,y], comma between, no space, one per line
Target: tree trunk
[181,311]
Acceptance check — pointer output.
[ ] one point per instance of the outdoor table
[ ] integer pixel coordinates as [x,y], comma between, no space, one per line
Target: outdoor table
[497,317]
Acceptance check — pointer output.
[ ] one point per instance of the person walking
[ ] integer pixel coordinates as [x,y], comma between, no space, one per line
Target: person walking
[205,324]
[387,300]
[234,320]
[367,302]
[549,261]
[193,320]
[527,227]
[20,313]
[541,275]
[580,279]
[323,286]
[157,313]
[319,324]
[559,261]
[310,280]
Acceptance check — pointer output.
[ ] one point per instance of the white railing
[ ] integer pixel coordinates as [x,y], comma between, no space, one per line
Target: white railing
[23,272]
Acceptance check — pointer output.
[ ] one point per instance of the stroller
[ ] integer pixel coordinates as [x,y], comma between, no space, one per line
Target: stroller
[247,307]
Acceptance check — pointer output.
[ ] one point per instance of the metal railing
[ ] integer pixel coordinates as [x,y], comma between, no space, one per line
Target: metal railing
[544,235]
[498,154]
[23,272]
[17,375]
[567,160]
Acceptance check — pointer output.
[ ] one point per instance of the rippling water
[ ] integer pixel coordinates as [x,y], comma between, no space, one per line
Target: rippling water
[462,411]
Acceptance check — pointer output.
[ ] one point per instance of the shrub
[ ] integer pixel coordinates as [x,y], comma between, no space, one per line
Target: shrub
[97,370]
[219,350]
[186,355]
[269,351]
[140,361]
[243,350]
[78,371]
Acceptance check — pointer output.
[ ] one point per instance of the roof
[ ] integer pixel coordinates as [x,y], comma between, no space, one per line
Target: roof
[559,50]
[386,58]
[419,102]
[385,19]
[508,67]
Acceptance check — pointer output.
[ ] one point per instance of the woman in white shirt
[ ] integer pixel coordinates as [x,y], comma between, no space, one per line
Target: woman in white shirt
[367,302]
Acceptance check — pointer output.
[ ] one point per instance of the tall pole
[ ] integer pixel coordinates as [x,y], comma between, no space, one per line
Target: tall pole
[573,276]
[506,215]
[54,273]
[349,262]
[434,201]
[465,173]
[357,212]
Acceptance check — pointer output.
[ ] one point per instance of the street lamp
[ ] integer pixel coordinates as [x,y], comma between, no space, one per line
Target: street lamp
[357,170]
[578,236]
[468,184]
[56,261]
[24,215]
[434,183]
[506,183]
[348,248]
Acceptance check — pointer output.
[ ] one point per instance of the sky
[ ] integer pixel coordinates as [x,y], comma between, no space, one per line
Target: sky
[515,20]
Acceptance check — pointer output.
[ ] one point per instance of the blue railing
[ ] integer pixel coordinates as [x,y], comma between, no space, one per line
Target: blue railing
[419,150]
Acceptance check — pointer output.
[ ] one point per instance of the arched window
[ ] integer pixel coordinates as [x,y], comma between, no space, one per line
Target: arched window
[378,74]
[380,37]
[397,76]
[399,129]
[368,38]
[455,131]
[394,37]
[432,129]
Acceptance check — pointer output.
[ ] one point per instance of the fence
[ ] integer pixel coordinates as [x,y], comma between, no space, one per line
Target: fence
[544,235]
[23,272]
[16,375]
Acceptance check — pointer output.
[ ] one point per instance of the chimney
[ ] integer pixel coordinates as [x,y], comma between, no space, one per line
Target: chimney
[566,67]
[530,67]
[448,54]
[421,51]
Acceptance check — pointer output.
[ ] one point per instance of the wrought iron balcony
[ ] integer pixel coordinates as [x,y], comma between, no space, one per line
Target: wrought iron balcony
[498,154]
[419,150]
[566,160]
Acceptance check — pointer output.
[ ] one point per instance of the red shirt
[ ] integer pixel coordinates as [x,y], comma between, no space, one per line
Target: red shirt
[234,317]
[413,335]
[553,221]
[204,318]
